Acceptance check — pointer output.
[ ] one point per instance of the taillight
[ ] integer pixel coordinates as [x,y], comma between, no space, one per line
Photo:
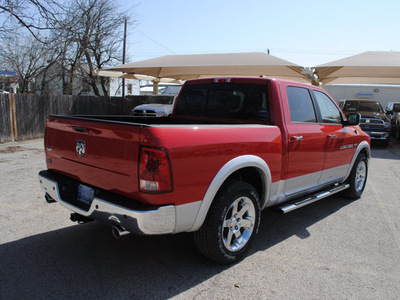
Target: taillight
[155,174]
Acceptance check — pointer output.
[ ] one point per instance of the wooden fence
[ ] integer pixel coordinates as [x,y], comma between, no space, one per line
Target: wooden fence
[24,116]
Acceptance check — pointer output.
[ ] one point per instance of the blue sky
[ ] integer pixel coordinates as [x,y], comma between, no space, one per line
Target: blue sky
[307,33]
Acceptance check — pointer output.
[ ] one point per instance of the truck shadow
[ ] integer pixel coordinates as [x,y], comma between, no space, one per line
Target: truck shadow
[85,261]
[390,152]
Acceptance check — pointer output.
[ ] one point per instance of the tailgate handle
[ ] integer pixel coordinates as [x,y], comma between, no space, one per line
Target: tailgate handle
[79,129]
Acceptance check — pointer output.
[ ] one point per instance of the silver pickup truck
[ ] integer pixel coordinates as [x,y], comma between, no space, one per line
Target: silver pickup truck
[156,106]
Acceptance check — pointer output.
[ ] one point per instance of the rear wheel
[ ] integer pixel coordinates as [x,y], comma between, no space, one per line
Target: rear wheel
[358,177]
[231,223]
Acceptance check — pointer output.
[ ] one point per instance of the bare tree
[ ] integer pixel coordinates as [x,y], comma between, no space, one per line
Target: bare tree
[98,31]
[79,38]
[89,36]
[28,57]
[36,16]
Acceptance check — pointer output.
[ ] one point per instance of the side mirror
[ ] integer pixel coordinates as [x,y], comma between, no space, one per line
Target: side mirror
[389,112]
[353,119]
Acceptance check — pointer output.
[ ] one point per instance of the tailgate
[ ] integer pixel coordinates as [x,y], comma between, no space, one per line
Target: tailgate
[99,153]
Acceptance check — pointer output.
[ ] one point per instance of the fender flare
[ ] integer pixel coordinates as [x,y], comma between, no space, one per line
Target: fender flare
[363,145]
[227,170]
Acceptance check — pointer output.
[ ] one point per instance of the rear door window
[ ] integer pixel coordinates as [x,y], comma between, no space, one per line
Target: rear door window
[301,105]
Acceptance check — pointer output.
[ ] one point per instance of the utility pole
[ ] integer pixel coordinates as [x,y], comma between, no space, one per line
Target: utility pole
[123,57]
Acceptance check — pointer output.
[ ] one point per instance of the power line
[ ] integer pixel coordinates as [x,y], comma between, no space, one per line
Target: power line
[155,41]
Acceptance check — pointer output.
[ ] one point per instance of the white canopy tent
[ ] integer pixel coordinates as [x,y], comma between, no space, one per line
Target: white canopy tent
[183,67]
[373,67]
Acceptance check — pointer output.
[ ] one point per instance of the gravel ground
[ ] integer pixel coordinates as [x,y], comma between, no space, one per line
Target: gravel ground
[332,249]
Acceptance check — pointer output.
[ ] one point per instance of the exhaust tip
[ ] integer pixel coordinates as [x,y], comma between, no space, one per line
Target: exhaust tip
[118,231]
[49,199]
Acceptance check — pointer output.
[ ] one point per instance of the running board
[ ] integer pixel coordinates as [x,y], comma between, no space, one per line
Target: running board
[288,207]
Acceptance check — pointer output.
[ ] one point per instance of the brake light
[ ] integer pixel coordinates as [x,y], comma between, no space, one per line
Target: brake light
[155,174]
[222,80]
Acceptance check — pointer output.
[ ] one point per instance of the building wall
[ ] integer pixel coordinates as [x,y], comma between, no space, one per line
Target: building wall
[132,87]
[382,93]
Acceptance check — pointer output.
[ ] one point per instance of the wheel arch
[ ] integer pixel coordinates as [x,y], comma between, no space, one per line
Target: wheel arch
[363,147]
[249,168]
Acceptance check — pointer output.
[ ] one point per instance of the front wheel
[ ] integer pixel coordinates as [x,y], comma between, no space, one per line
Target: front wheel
[231,223]
[358,177]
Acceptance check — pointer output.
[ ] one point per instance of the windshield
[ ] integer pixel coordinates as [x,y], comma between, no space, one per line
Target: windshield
[160,100]
[372,106]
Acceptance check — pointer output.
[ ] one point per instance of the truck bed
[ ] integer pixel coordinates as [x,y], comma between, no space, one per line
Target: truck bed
[112,145]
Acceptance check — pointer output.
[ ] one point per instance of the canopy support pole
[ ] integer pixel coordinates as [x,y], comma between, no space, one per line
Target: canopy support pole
[155,86]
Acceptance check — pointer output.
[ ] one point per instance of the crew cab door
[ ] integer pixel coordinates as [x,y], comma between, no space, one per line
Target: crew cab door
[306,142]
[340,145]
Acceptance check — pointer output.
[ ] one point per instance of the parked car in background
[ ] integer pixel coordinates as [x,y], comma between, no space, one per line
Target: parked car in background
[391,109]
[374,121]
[156,106]
[396,125]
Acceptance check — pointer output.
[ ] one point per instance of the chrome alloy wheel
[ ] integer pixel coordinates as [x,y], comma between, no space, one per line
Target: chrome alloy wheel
[238,225]
[361,176]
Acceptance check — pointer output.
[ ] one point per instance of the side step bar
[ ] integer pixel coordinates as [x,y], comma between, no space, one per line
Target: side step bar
[288,207]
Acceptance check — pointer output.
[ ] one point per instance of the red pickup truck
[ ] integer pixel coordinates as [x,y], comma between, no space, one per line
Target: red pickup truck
[232,147]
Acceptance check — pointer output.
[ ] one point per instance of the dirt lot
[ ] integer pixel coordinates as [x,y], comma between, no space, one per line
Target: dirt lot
[332,249]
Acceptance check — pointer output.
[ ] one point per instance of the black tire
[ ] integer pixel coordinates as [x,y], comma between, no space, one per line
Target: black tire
[358,177]
[225,236]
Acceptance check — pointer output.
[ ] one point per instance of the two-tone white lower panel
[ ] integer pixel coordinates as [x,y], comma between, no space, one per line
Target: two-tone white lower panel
[160,220]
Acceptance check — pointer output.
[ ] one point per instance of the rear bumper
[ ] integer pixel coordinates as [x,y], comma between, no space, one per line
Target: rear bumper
[160,220]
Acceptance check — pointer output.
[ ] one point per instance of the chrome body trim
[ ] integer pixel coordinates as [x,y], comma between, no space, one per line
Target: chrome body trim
[186,215]
[317,179]
[280,197]
[277,192]
[333,174]
[157,221]
[300,183]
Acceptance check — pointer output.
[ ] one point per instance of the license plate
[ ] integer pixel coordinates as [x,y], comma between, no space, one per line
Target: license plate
[85,194]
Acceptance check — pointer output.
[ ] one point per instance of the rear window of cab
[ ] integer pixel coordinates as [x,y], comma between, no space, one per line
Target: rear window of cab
[226,100]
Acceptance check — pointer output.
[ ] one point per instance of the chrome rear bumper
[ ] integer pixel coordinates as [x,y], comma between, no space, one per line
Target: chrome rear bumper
[153,221]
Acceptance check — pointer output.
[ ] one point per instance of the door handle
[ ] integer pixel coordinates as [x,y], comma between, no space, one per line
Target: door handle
[295,138]
[331,136]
